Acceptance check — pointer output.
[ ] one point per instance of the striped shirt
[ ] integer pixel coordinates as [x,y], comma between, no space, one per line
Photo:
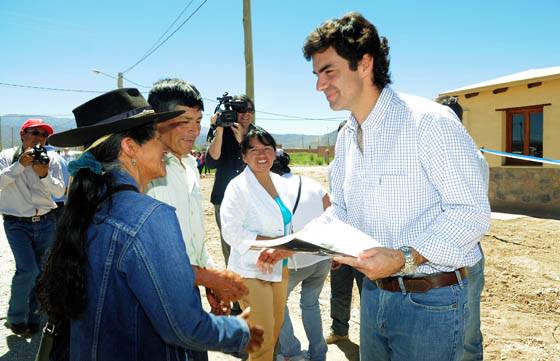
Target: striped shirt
[419,181]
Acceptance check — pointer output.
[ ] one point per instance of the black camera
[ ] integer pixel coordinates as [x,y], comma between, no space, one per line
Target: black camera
[39,154]
[228,109]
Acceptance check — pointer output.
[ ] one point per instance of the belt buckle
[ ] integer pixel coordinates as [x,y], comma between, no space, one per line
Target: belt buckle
[35,219]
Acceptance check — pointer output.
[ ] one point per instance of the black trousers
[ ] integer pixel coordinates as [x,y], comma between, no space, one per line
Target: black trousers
[197,355]
[342,282]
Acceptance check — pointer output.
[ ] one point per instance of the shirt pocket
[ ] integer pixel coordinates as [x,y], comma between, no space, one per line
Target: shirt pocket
[394,192]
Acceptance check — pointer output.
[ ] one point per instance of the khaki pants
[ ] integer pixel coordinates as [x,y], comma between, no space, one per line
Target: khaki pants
[267,301]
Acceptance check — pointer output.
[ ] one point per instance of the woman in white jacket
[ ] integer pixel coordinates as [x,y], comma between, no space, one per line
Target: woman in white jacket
[256,206]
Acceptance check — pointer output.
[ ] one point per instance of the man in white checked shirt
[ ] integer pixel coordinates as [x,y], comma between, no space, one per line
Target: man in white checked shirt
[407,173]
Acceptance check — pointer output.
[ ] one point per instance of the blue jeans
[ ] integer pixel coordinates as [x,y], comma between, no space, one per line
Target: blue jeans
[473,336]
[400,326]
[29,243]
[342,282]
[312,279]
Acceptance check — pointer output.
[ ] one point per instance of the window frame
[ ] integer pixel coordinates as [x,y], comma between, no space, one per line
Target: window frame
[526,111]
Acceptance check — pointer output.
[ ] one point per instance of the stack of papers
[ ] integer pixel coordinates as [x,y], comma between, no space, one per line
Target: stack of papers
[334,238]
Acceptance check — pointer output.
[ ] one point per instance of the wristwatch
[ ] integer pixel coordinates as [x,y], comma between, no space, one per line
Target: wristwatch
[409,266]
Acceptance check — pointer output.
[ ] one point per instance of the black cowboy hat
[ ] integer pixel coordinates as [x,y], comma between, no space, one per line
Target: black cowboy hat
[112,112]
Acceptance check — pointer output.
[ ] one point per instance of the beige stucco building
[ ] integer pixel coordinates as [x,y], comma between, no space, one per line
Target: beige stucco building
[518,113]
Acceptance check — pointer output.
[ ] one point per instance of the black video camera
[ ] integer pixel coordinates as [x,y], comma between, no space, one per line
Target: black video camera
[39,154]
[228,109]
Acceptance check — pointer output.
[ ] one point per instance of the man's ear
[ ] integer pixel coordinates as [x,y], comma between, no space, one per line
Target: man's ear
[365,66]
[129,147]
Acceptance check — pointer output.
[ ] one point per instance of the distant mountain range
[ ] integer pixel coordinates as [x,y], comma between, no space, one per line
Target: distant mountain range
[10,124]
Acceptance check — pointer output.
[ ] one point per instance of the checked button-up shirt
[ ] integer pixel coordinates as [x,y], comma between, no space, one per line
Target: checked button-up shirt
[420,181]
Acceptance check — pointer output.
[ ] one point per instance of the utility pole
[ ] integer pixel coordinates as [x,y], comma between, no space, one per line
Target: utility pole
[119,77]
[120,80]
[249,78]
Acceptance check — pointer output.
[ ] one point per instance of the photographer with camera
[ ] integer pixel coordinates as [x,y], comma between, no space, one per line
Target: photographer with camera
[29,177]
[232,120]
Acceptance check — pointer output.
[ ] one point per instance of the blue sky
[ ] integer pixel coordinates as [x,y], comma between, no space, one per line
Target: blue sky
[435,46]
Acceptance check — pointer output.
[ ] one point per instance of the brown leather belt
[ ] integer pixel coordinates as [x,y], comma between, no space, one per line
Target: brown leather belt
[421,284]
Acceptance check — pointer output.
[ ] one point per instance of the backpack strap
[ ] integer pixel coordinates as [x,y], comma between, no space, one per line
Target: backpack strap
[298,195]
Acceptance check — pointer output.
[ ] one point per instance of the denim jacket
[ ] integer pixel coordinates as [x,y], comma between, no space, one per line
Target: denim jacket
[141,300]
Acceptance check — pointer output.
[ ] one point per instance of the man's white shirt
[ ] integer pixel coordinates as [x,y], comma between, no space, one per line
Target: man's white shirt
[180,188]
[23,193]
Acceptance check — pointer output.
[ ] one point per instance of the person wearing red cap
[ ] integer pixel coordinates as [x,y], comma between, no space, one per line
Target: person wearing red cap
[29,177]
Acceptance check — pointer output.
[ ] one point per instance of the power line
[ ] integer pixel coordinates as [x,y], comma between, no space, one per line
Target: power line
[166,39]
[281,116]
[291,117]
[297,117]
[51,89]
[170,26]
[132,82]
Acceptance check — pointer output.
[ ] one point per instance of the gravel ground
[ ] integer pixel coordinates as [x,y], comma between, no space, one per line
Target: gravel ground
[520,303]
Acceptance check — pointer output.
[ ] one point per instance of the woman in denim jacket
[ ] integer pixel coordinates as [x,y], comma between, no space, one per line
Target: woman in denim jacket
[118,270]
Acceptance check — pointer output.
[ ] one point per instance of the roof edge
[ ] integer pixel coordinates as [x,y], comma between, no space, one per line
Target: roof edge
[460,91]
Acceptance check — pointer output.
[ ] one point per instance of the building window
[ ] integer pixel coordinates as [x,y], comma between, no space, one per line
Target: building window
[525,134]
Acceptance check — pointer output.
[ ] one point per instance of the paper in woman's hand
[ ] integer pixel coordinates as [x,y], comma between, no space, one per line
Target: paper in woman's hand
[333,238]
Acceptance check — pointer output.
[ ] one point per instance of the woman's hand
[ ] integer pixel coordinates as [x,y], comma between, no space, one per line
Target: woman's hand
[257,333]
[269,257]
[238,131]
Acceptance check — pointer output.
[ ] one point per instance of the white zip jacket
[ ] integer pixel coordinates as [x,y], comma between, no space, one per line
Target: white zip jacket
[247,210]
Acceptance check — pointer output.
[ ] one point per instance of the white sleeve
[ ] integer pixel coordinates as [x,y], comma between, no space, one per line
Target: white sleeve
[233,210]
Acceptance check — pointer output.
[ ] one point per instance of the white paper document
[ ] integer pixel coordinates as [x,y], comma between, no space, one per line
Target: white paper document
[325,239]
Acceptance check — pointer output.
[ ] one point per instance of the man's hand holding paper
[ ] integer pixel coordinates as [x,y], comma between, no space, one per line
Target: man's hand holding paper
[375,263]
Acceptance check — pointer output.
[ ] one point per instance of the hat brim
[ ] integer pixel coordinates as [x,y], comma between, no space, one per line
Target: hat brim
[78,137]
[43,126]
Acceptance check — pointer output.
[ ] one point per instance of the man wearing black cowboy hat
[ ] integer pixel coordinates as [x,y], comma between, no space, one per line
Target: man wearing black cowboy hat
[29,177]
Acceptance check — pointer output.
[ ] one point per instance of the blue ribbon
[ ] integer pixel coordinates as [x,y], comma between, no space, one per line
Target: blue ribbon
[521,156]
[86,161]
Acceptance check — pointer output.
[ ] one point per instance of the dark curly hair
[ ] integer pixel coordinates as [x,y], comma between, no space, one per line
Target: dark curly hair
[352,36]
[62,287]
[280,165]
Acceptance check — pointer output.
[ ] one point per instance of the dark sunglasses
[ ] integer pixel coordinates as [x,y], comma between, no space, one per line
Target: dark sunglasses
[37,133]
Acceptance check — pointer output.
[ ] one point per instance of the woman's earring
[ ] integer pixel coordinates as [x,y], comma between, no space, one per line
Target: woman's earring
[133,161]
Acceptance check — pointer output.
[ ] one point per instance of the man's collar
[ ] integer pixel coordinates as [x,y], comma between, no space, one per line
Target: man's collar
[375,116]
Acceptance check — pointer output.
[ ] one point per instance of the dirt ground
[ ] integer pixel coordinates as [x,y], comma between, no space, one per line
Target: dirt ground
[520,302]
[520,305]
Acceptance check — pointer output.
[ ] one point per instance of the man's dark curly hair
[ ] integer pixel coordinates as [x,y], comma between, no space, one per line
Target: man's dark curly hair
[352,36]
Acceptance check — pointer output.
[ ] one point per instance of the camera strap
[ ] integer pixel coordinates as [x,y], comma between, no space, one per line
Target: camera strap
[298,195]
[17,154]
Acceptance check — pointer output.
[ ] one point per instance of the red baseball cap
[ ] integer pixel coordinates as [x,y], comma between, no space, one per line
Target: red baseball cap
[36,123]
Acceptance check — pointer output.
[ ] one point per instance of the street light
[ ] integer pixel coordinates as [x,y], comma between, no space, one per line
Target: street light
[119,77]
